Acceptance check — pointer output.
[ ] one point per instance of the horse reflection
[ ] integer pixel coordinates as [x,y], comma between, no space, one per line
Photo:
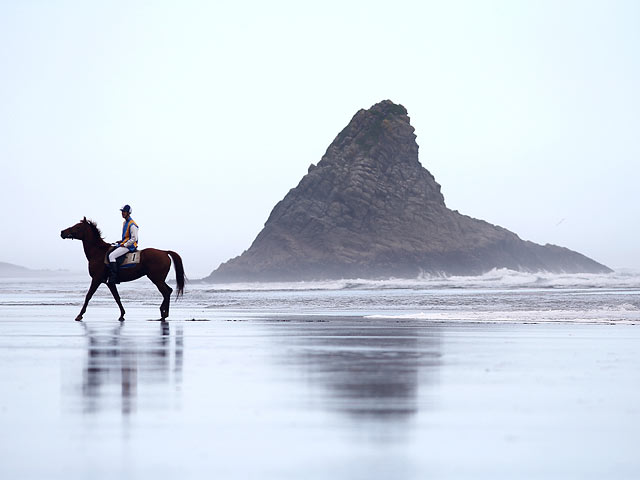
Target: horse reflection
[118,365]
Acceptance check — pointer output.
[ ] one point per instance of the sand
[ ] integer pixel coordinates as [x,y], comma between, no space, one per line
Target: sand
[293,396]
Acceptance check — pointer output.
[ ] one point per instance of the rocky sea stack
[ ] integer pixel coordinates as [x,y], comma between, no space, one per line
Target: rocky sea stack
[369,209]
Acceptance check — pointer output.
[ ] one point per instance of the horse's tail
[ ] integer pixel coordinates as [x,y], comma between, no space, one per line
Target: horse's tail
[177,264]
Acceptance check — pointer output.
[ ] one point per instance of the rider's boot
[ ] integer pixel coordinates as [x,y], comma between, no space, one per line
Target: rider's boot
[113,273]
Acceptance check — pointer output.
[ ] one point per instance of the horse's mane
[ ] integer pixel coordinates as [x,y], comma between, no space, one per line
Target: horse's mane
[93,226]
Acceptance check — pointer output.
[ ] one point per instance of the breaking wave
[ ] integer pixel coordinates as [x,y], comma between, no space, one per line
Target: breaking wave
[494,279]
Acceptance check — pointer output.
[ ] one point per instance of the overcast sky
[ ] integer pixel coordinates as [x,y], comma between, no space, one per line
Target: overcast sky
[203,114]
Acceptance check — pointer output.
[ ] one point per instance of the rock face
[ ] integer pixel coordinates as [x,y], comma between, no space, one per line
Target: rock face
[369,209]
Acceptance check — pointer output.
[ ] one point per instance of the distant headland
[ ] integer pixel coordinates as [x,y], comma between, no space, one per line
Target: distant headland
[369,209]
[12,270]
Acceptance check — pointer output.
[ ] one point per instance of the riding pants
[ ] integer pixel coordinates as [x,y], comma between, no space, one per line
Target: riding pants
[117,253]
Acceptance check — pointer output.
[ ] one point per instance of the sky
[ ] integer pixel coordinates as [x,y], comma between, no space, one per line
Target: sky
[203,114]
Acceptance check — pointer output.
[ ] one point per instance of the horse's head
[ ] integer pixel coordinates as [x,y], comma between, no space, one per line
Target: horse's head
[81,230]
[78,231]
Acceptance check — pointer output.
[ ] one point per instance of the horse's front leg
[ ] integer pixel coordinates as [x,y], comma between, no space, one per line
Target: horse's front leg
[95,283]
[116,295]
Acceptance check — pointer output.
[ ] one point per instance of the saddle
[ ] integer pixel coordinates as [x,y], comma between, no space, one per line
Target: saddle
[130,259]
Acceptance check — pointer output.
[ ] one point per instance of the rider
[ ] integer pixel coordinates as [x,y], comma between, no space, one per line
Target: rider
[129,243]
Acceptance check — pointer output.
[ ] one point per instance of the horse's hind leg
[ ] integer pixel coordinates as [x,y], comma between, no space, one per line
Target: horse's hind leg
[165,290]
[95,283]
[116,296]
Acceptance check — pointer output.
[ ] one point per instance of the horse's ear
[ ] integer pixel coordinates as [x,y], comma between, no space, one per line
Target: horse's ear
[84,219]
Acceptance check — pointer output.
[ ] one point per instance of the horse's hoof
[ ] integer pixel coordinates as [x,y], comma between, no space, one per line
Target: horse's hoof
[79,318]
[121,319]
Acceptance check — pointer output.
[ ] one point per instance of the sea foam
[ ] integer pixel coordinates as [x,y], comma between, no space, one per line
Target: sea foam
[496,278]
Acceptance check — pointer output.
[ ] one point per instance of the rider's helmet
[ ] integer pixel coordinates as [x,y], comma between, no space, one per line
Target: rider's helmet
[127,209]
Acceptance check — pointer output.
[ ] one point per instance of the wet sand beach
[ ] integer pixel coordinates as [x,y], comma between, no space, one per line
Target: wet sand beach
[235,393]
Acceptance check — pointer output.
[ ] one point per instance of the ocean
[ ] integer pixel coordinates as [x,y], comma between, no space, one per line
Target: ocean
[505,375]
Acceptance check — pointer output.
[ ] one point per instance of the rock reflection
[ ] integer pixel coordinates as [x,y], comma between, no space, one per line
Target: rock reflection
[372,372]
[117,365]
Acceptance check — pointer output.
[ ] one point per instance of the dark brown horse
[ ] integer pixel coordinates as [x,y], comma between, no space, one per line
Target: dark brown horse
[154,263]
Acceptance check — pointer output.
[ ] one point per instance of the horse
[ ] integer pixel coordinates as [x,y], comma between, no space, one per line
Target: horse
[154,263]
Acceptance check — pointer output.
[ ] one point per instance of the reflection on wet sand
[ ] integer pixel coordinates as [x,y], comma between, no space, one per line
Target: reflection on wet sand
[369,372]
[117,365]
